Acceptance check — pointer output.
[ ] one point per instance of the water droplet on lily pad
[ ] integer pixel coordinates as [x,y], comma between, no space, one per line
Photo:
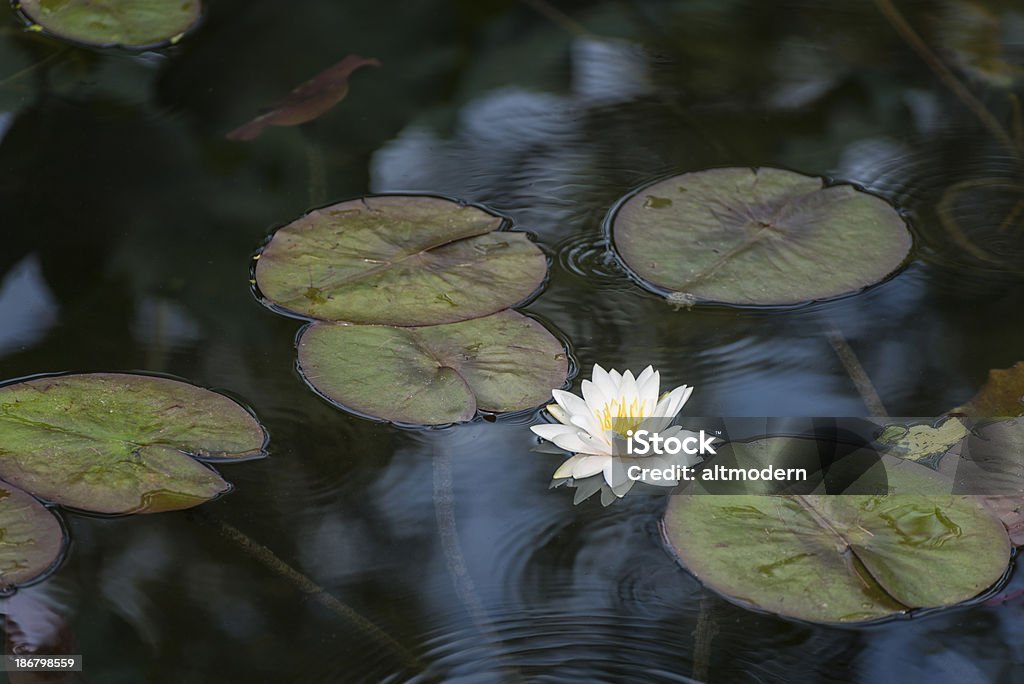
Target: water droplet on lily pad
[403,260]
[117,443]
[434,375]
[757,237]
[108,23]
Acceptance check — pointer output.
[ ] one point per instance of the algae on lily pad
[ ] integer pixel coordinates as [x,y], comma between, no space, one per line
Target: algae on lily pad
[32,537]
[434,375]
[405,260]
[109,23]
[118,443]
[849,558]
[757,237]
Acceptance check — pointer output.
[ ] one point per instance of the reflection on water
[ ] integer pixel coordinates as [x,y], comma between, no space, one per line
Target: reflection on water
[129,223]
[27,306]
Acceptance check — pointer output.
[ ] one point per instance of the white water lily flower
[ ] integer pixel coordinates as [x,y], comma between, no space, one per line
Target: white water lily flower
[596,426]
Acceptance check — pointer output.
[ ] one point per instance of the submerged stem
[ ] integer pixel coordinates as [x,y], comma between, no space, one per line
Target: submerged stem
[31,67]
[307,586]
[907,32]
[856,371]
[444,507]
[703,634]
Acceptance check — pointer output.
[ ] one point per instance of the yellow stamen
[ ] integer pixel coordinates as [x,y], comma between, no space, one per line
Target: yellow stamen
[621,417]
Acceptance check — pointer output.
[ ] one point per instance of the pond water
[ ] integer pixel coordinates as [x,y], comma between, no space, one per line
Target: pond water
[129,222]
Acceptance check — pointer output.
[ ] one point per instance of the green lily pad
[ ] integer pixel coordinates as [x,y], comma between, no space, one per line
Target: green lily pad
[31,538]
[114,443]
[757,237]
[850,558]
[922,442]
[437,374]
[109,23]
[398,260]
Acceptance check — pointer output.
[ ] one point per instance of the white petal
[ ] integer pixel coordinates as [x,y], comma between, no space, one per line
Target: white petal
[656,423]
[671,404]
[558,414]
[615,376]
[594,396]
[671,431]
[608,387]
[588,465]
[628,391]
[585,489]
[549,430]
[565,470]
[564,436]
[572,404]
[594,445]
[621,489]
[589,424]
[648,389]
[644,375]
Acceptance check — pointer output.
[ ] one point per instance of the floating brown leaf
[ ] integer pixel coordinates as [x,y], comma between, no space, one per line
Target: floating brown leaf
[309,101]
[1001,397]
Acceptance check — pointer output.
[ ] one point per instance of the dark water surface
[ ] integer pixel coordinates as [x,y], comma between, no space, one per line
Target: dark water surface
[128,223]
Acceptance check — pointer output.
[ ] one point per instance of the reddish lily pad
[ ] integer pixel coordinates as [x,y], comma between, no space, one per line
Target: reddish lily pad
[31,538]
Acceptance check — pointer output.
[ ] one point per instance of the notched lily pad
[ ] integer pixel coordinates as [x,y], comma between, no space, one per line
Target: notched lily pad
[757,237]
[847,558]
[109,23]
[118,443]
[403,260]
[31,538]
[434,375]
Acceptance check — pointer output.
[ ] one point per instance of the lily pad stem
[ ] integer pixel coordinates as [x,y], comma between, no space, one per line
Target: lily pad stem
[907,32]
[444,507]
[856,371]
[703,634]
[307,586]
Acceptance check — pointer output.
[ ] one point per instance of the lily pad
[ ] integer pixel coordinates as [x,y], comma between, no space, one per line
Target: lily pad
[1001,397]
[32,538]
[108,23]
[842,558]
[116,443]
[923,442]
[434,375]
[757,237]
[401,260]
